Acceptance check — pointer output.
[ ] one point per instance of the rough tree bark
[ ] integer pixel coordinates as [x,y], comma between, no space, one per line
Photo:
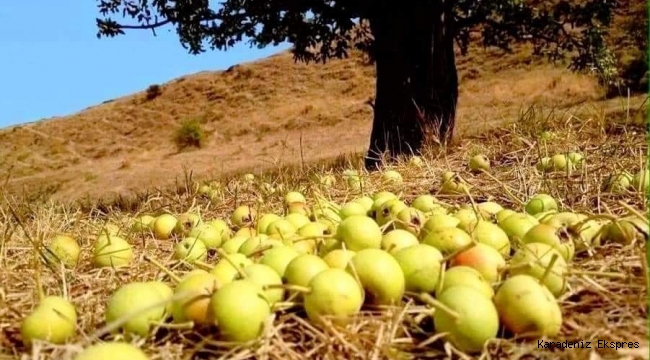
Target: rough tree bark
[417,82]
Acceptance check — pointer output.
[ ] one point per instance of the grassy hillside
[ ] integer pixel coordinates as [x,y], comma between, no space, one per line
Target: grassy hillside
[257,115]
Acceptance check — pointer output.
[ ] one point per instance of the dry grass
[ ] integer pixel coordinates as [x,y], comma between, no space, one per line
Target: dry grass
[595,308]
[257,115]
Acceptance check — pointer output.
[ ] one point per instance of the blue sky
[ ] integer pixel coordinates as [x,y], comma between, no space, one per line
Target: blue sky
[52,63]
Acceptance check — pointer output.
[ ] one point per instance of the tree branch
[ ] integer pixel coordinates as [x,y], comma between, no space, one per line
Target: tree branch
[165,22]
[145,26]
[567,35]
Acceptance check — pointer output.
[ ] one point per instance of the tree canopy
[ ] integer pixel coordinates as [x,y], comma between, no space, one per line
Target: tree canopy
[323,29]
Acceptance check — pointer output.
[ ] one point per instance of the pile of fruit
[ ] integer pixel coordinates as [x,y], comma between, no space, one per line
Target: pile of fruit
[480,267]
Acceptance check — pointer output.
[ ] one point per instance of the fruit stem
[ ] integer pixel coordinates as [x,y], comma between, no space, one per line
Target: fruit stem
[203,265]
[174,326]
[474,207]
[162,268]
[453,254]
[429,300]
[260,250]
[291,287]
[441,203]
[222,254]
[441,278]
[515,267]
[283,305]
[548,269]
[64,283]
[40,293]
[108,235]
[312,237]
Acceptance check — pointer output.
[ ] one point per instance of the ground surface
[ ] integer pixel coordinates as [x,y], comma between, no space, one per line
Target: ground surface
[606,300]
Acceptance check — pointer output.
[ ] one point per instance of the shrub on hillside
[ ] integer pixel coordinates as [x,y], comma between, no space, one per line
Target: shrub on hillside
[189,134]
[633,72]
[625,69]
[629,40]
[153,91]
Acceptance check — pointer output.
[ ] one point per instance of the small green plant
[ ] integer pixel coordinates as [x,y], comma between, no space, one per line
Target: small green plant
[189,134]
[153,91]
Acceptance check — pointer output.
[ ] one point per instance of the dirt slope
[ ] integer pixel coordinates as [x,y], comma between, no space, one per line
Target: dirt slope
[258,114]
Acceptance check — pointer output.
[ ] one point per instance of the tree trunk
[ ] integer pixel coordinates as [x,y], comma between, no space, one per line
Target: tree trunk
[417,82]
